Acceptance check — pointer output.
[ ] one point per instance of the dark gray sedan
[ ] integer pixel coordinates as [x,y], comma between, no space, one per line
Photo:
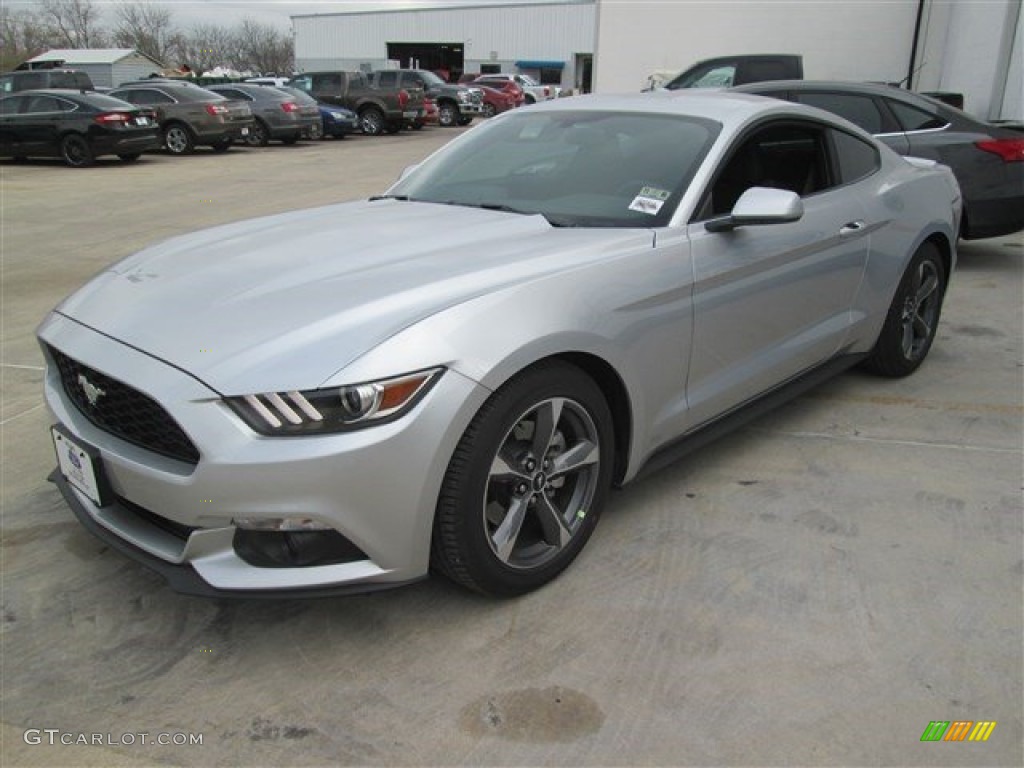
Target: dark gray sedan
[988,160]
[278,116]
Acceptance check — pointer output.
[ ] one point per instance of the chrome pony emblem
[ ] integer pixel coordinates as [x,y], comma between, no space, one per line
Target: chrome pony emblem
[92,392]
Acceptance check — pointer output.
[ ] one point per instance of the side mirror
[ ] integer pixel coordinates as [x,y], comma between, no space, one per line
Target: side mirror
[759,205]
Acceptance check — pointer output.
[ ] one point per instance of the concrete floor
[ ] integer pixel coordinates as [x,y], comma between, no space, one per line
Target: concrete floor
[813,590]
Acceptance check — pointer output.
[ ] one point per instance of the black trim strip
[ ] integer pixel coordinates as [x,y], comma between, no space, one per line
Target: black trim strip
[184,579]
[730,422]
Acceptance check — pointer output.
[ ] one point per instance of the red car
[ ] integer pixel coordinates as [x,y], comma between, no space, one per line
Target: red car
[510,87]
[429,116]
[496,101]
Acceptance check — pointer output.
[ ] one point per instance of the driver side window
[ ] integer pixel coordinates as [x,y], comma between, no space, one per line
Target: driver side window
[781,156]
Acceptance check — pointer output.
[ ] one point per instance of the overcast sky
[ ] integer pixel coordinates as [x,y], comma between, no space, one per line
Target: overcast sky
[275,12]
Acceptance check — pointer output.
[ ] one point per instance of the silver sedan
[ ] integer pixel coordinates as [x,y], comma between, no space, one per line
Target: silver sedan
[328,401]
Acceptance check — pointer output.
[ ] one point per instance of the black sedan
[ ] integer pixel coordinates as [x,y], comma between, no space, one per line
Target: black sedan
[988,159]
[77,126]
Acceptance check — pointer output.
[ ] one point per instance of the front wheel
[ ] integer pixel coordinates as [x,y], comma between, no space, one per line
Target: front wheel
[526,484]
[258,136]
[447,114]
[76,151]
[913,317]
[489,110]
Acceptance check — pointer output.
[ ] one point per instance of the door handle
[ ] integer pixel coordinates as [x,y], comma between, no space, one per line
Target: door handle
[851,228]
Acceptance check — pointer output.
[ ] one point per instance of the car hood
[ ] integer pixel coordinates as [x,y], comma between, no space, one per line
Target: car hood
[286,301]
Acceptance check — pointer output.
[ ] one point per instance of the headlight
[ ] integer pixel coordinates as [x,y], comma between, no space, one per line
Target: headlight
[465,96]
[335,409]
[338,115]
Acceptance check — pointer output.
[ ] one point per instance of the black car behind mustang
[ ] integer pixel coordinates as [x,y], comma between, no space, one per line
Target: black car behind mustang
[77,126]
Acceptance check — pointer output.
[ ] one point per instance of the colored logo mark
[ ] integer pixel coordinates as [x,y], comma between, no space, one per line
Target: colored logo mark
[958,730]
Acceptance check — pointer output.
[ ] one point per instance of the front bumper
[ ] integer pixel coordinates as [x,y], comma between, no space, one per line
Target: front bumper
[376,487]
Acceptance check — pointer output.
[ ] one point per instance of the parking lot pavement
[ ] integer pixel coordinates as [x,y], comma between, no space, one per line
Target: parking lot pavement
[814,589]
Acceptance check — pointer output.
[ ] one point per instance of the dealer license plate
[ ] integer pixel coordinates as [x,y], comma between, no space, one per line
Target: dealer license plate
[79,464]
[245,131]
[142,121]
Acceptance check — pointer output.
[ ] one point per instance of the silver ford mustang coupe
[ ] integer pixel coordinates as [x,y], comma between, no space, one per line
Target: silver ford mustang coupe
[324,401]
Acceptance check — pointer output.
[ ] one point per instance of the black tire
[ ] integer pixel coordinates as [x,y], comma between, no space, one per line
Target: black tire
[530,98]
[371,120]
[223,145]
[466,120]
[417,126]
[489,110]
[509,519]
[178,139]
[259,134]
[130,158]
[913,317]
[76,151]
[392,128]
[447,114]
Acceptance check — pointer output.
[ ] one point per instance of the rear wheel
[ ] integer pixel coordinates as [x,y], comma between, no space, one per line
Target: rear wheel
[371,120]
[178,139]
[913,317]
[526,485]
[489,110]
[75,150]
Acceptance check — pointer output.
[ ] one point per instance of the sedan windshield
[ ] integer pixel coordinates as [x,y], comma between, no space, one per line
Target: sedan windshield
[576,168]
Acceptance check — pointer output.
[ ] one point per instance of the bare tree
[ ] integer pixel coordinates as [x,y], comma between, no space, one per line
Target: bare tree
[73,23]
[23,34]
[263,48]
[146,27]
[204,46]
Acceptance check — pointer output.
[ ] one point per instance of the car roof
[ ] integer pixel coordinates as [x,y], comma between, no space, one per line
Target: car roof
[726,107]
[845,86]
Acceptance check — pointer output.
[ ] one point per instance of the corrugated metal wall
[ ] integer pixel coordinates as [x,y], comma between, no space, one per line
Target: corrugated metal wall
[133,69]
[500,34]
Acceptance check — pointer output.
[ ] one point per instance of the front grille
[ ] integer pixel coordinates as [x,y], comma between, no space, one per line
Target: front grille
[123,411]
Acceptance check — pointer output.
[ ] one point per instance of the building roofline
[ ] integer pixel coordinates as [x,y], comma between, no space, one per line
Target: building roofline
[469,6]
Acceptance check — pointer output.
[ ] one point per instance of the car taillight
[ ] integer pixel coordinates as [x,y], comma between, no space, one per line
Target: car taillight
[403,98]
[216,109]
[290,106]
[1010,150]
[547,91]
[109,118]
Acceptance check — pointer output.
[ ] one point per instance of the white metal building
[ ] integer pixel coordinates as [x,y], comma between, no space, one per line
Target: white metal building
[106,67]
[551,40]
[972,47]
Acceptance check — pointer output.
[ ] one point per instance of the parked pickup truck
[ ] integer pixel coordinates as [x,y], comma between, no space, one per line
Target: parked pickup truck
[727,71]
[380,110]
[456,104]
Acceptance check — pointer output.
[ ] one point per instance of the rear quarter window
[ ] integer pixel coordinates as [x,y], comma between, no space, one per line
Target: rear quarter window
[855,157]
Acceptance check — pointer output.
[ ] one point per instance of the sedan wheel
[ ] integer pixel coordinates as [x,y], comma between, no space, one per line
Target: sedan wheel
[913,317]
[76,151]
[526,484]
[489,110]
[258,135]
[178,140]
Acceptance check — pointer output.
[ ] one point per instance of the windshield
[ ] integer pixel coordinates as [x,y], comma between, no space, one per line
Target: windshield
[431,79]
[576,168]
[529,80]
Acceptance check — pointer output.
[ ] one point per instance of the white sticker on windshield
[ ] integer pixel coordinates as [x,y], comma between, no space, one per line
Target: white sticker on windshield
[649,200]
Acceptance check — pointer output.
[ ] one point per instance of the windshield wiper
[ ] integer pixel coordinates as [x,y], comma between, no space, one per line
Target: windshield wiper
[401,198]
